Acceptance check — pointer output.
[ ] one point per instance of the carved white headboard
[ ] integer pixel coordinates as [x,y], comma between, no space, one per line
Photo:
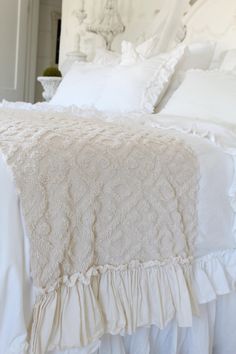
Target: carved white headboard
[204,19]
[213,20]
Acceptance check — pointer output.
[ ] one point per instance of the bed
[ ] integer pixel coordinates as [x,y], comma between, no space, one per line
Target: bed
[118,229]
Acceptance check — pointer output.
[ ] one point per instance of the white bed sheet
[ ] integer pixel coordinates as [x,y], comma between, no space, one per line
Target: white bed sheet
[216,219]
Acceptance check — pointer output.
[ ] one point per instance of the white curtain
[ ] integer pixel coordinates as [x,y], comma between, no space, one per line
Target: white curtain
[167,25]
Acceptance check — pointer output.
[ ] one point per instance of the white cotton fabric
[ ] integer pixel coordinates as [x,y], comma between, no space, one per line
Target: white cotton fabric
[131,54]
[215,279]
[229,61]
[82,85]
[118,88]
[211,333]
[198,55]
[139,87]
[163,31]
[205,95]
[106,57]
[160,33]
[16,291]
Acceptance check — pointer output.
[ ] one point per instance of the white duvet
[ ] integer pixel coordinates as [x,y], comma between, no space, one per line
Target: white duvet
[215,148]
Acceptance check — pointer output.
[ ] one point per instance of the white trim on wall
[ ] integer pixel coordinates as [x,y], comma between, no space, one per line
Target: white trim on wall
[32,46]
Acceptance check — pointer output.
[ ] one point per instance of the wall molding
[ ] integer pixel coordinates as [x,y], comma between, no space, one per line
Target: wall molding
[32,46]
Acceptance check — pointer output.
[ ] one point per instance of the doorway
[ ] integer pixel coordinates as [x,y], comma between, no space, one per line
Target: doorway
[48,39]
[18,37]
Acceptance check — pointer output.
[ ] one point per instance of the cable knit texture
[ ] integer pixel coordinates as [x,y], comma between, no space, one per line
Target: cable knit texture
[96,194]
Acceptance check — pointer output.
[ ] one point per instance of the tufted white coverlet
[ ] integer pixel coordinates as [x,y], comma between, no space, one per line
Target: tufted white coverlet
[110,295]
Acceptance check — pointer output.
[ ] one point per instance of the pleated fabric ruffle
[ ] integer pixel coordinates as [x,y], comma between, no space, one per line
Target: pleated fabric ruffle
[80,309]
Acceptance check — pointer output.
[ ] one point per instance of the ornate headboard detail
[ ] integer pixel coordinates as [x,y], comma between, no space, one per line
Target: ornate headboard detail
[139,17]
[203,20]
[212,20]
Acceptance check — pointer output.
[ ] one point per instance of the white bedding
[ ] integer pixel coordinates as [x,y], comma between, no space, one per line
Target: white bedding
[215,148]
[216,100]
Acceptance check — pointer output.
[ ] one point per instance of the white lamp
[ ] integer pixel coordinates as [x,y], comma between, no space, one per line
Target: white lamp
[110,24]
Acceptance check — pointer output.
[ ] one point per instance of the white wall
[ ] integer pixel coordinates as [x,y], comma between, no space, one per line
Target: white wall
[137,15]
[44,56]
[13,45]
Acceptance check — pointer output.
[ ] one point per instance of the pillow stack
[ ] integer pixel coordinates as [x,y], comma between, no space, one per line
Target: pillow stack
[140,86]
[135,81]
[197,56]
[121,88]
[207,94]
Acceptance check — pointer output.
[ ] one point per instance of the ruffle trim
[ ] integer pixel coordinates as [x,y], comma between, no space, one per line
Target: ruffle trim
[79,311]
[157,87]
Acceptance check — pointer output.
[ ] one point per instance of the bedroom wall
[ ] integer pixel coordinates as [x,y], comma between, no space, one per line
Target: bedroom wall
[137,15]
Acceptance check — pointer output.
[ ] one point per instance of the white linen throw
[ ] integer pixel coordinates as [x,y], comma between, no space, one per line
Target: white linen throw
[97,197]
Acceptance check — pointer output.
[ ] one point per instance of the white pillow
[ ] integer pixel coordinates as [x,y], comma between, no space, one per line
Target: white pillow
[130,53]
[229,62]
[196,56]
[141,86]
[106,57]
[205,95]
[82,85]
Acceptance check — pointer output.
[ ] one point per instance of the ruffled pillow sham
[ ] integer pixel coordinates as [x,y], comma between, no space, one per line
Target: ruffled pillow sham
[197,55]
[139,87]
[130,53]
[118,88]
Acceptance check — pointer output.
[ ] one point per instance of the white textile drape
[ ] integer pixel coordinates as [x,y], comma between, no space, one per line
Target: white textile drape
[168,23]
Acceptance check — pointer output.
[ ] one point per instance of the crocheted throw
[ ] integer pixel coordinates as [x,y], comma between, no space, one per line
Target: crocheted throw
[97,194]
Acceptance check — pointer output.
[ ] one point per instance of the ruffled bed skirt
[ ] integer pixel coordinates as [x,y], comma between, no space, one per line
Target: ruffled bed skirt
[80,310]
